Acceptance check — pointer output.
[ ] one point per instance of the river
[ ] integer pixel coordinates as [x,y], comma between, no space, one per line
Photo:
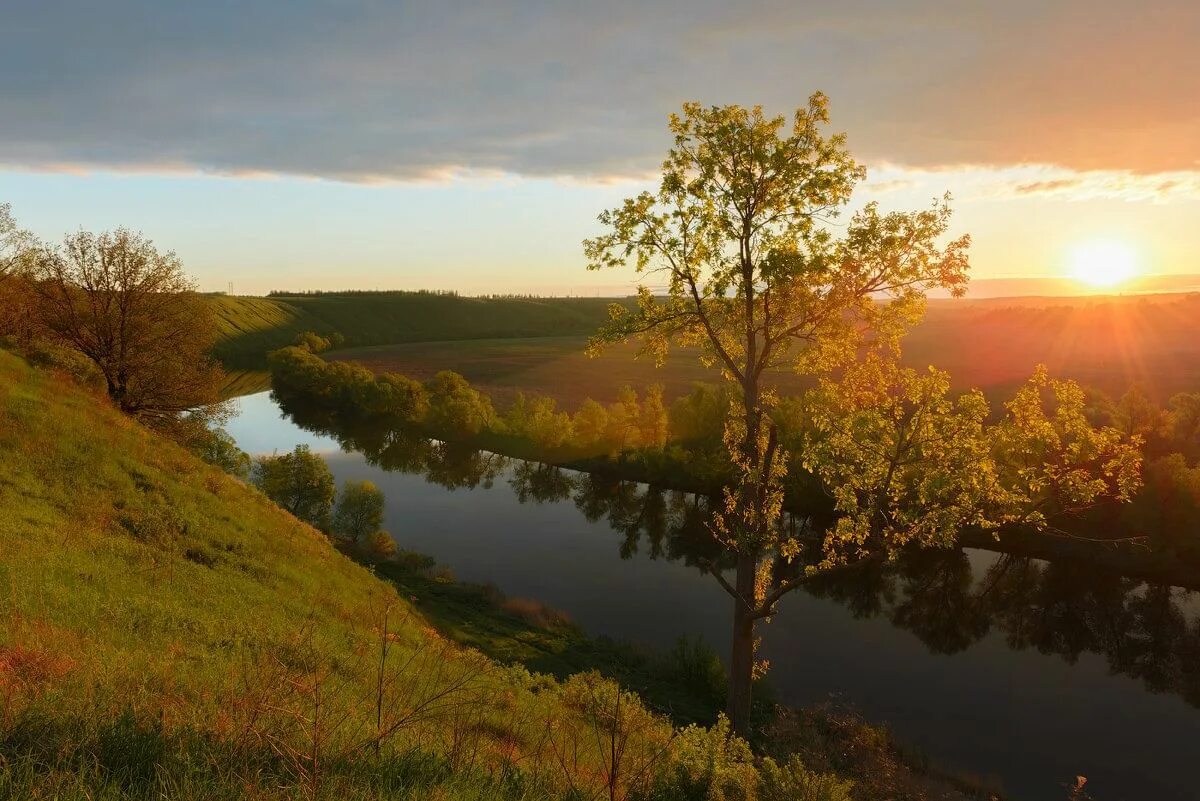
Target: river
[1018,671]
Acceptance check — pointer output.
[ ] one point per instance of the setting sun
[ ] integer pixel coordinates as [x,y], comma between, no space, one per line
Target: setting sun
[1103,264]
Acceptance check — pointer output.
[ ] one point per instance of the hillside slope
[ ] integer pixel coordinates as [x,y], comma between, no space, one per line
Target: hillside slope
[250,327]
[166,632]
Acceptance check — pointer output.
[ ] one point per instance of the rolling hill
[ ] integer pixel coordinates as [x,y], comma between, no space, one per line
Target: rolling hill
[251,326]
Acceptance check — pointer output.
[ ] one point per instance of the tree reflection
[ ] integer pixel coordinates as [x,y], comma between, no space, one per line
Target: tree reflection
[948,599]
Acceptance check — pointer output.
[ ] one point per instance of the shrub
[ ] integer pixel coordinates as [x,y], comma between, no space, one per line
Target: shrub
[693,663]
[381,545]
[793,782]
[707,765]
[220,449]
[359,511]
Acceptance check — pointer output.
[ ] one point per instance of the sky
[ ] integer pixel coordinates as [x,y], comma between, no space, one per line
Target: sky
[306,144]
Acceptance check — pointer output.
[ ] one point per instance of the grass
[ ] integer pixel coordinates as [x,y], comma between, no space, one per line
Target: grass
[166,631]
[250,327]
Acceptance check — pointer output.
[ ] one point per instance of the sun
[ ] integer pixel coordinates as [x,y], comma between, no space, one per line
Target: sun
[1104,263]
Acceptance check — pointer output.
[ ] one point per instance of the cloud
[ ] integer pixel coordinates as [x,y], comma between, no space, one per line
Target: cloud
[1102,185]
[998,183]
[1047,187]
[364,90]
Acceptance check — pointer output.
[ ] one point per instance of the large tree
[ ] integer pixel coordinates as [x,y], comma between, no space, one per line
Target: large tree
[754,275]
[359,512]
[136,315]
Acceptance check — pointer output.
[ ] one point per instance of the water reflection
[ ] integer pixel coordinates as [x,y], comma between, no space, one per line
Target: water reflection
[946,599]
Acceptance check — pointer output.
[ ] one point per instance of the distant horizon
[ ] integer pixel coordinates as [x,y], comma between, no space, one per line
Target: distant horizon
[993,289]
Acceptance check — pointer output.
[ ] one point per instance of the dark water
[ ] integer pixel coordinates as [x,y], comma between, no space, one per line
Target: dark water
[1023,672]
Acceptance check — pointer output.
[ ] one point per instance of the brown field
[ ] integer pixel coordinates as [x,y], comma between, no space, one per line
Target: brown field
[553,366]
[1108,343]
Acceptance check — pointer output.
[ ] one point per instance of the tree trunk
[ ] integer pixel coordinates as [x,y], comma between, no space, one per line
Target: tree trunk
[741,661]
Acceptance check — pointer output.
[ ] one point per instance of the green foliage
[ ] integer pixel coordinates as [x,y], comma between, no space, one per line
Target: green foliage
[455,405]
[380,544]
[359,512]
[400,397]
[699,416]
[707,765]
[50,355]
[791,781]
[1168,507]
[1135,415]
[537,420]
[1052,459]
[18,249]
[347,386]
[756,284]
[312,342]
[1183,424]
[300,482]
[589,426]
[220,449]
[908,463]
[698,667]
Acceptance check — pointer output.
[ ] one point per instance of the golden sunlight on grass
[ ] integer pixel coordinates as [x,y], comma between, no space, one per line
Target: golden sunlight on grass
[1104,263]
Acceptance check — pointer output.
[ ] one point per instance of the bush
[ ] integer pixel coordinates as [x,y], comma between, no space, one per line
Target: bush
[220,449]
[793,782]
[694,664]
[314,343]
[359,511]
[381,545]
[707,765]
[68,362]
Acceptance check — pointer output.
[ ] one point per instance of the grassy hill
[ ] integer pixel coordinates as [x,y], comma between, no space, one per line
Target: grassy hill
[252,326]
[167,632]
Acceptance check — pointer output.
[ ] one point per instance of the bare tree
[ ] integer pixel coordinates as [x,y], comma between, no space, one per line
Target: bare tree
[133,312]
